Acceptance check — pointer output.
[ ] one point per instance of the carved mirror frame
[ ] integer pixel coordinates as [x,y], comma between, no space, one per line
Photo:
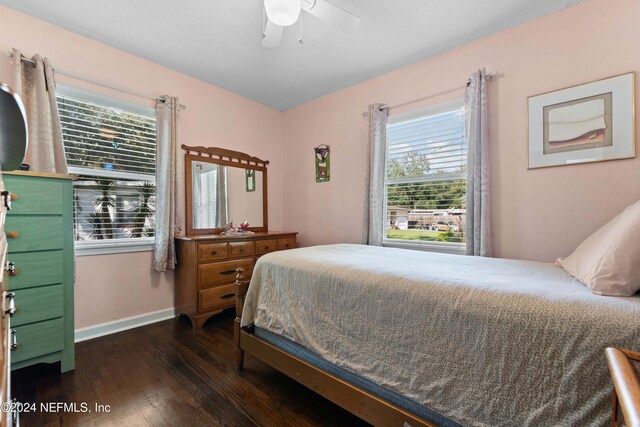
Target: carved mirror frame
[221,156]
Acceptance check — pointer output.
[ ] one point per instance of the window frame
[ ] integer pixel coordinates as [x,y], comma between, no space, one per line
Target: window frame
[111,246]
[430,246]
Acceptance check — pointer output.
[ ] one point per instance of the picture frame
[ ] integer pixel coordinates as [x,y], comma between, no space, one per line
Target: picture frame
[587,123]
[323,163]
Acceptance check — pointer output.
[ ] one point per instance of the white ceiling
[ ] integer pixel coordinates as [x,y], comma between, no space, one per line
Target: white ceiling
[219,41]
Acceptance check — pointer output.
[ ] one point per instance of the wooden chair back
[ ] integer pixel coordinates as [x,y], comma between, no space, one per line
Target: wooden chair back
[624,366]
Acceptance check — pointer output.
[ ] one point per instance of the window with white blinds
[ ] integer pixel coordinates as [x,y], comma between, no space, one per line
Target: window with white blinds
[111,146]
[425,177]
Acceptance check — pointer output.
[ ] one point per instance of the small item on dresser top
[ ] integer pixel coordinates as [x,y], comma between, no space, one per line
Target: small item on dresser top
[236,231]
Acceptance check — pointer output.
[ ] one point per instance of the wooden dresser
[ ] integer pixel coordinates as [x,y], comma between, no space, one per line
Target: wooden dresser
[206,269]
[39,229]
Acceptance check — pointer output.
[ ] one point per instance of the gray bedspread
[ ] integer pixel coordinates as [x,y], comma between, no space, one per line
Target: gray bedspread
[484,342]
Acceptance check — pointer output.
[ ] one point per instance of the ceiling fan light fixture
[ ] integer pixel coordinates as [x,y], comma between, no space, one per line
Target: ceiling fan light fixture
[282,12]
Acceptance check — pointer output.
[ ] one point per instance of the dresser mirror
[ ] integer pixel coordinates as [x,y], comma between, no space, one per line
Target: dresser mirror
[223,186]
[13,129]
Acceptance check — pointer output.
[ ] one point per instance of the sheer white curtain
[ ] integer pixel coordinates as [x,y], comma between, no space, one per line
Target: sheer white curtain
[34,83]
[374,191]
[478,223]
[169,184]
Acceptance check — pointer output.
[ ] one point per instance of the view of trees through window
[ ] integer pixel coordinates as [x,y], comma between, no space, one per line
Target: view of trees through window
[114,153]
[425,179]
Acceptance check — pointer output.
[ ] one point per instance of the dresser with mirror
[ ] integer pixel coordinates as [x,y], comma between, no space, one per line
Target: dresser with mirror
[221,186]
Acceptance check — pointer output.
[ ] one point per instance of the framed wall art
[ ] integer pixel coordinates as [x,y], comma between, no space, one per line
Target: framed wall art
[587,123]
[323,163]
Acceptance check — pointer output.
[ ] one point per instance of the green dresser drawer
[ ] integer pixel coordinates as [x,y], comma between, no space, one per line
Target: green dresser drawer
[37,304]
[37,269]
[35,195]
[38,339]
[35,232]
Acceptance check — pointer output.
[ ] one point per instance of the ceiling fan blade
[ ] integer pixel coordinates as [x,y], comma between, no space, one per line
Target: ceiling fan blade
[332,14]
[272,35]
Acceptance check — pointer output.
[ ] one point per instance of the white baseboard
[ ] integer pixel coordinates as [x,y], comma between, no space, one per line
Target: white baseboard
[102,329]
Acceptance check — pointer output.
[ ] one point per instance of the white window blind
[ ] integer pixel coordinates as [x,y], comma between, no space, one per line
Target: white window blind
[425,179]
[112,149]
[107,139]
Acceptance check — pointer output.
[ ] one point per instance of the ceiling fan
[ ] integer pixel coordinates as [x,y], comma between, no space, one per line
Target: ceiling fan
[282,13]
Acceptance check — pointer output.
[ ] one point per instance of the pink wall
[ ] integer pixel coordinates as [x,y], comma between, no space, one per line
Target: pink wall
[537,214]
[110,287]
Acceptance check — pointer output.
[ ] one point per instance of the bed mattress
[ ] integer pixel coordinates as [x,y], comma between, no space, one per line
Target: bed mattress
[480,341]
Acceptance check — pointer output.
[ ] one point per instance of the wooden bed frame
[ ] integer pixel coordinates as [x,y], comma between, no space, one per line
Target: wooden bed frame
[359,402]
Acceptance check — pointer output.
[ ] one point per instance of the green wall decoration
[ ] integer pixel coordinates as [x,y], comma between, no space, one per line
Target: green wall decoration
[250,179]
[323,163]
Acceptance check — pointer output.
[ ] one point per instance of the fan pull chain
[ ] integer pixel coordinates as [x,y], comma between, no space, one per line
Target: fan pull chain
[264,21]
[300,36]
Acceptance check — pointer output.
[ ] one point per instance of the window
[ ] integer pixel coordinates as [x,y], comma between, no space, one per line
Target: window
[111,146]
[425,179]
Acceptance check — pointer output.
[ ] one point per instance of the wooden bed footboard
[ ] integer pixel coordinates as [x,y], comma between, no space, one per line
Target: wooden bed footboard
[359,402]
[241,286]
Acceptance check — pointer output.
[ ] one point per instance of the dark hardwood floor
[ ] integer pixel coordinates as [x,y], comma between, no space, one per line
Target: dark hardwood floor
[166,374]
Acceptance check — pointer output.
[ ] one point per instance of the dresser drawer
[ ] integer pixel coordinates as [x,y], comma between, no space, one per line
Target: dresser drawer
[34,232]
[38,339]
[35,305]
[288,243]
[222,272]
[35,195]
[36,269]
[216,298]
[237,249]
[266,246]
[212,251]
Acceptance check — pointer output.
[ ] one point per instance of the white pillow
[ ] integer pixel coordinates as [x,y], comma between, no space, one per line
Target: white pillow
[608,261]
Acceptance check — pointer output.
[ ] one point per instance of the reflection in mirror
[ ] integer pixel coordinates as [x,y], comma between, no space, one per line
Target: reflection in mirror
[220,195]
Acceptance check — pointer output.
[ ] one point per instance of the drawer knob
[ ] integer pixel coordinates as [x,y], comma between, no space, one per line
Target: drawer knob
[214,253]
[6,199]
[266,248]
[12,304]
[241,250]
[14,340]
[227,296]
[227,272]
[286,245]
[11,268]
[15,413]
[13,234]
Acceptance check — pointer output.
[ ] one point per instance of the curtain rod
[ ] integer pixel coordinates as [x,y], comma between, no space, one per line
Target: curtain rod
[427,96]
[96,82]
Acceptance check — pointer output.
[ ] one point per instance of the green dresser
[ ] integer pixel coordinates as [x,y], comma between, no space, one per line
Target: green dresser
[39,229]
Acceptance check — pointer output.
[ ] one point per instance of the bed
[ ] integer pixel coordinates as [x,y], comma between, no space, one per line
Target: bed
[399,336]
